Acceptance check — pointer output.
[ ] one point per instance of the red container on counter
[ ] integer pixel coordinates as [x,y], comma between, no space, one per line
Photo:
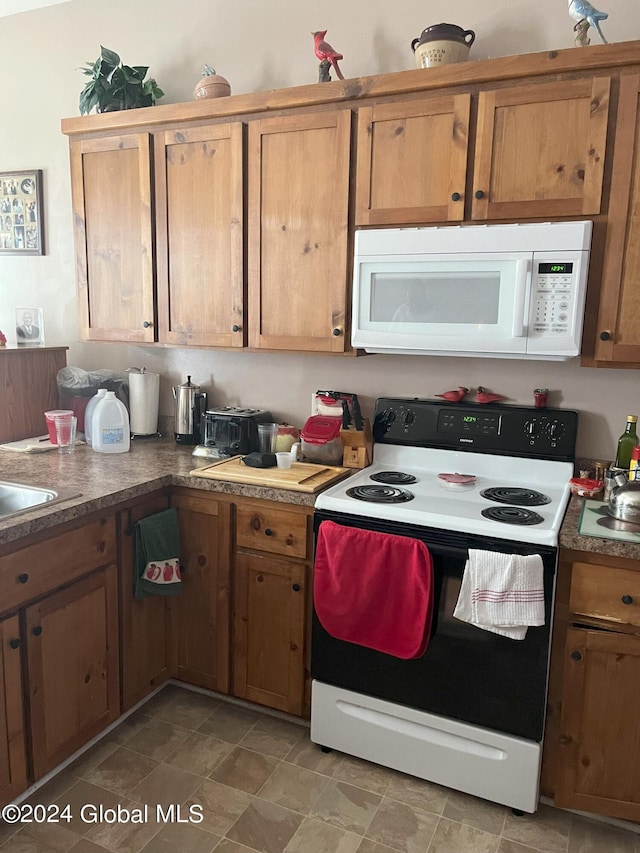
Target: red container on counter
[321,440]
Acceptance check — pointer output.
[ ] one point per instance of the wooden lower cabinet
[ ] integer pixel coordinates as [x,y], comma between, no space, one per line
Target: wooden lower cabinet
[269,631]
[71,642]
[145,636]
[201,611]
[592,747]
[600,740]
[13,755]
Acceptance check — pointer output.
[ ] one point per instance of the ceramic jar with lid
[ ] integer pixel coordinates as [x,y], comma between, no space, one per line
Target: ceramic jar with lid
[441,44]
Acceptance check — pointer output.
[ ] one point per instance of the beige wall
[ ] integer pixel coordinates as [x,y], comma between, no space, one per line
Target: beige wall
[258,46]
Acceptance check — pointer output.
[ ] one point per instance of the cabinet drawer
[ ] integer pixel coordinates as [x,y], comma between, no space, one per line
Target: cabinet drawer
[605,593]
[37,569]
[278,531]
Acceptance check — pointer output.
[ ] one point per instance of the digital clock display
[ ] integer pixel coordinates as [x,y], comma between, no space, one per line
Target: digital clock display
[469,419]
[555,269]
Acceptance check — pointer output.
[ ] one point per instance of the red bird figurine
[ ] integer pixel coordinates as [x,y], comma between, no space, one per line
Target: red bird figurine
[484,396]
[325,52]
[454,396]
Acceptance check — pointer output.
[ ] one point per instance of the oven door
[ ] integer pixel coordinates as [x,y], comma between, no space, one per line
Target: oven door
[466,673]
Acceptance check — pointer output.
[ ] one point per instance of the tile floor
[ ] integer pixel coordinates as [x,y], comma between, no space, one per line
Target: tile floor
[261,785]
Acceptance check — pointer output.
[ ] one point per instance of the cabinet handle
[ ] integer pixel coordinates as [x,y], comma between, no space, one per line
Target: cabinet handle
[235,328]
[564,739]
[37,631]
[23,578]
[455,196]
[627,599]
[576,656]
[268,531]
[147,324]
[15,643]
[295,587]
[336,332]
[479,194]
[605,336]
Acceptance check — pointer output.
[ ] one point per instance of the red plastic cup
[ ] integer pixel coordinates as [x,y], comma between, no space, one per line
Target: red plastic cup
[540,397]
[50,418]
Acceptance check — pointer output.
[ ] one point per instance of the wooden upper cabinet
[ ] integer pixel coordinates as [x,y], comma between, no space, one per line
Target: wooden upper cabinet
[113,225]
[540,150]
[412,161]
[297,231]
[618,329]
[200,235]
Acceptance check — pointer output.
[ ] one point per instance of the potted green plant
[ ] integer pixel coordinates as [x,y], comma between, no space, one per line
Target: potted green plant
[114,86]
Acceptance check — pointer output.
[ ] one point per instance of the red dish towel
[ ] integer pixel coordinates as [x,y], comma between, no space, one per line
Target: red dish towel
[373,589]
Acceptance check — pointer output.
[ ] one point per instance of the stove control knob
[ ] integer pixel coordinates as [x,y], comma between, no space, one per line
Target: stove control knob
[409,418]
[554,429]
[532,428]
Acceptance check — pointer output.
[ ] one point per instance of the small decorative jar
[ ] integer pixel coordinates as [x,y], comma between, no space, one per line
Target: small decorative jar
[211,85]
[441,44]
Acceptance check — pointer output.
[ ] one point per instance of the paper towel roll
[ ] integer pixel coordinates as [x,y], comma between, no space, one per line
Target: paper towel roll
[144,391]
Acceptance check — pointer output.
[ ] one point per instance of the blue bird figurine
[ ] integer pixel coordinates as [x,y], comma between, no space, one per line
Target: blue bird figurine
[582,11]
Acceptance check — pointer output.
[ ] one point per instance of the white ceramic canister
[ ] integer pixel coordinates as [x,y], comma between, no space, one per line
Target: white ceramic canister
[88,413]
[110,425]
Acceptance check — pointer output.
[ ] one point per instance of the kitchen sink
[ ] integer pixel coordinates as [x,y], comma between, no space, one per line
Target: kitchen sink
[19,497]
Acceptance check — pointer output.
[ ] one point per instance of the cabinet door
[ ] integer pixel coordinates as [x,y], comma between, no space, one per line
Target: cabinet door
[13,758]
[298,217]
[268,650]
[72,653]
[145,638]
[412,161]
[541,150]
[618,327]
[200,235]
[599,744]
[201,631]
[112,215]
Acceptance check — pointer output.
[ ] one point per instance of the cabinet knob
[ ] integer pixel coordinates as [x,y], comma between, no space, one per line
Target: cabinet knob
[295,587]
[15,643]
[455,196]
[147,324]
[37,631]
[268,531]
[336,332]
[605,336]
[235,328]
[576,656]
[564,739]
[479,194]
[23,578]
[627,599]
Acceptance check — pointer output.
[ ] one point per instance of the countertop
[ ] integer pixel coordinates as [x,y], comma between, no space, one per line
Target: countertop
[570,538]
[99,481]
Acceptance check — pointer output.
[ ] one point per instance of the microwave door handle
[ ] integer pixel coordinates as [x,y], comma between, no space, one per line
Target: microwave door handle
[521,281]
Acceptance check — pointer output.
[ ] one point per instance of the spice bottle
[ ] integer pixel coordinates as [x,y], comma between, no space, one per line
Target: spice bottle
[627,441]
[634,471]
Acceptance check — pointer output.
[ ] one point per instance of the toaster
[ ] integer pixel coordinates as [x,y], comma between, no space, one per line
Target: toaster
[230,430]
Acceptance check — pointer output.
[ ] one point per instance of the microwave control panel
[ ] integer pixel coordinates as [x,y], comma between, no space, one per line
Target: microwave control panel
[557,294]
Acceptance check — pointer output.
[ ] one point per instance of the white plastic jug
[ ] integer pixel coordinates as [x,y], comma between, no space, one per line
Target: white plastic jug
[88,414]
[110,425]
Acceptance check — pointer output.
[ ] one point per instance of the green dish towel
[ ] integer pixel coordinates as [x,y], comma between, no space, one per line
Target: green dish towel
[157,555]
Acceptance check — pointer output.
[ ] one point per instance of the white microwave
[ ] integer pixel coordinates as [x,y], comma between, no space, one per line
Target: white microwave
[496,291]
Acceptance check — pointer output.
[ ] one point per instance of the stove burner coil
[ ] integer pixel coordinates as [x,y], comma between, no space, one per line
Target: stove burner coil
[394,478]
[512,515]
[515,495]
[380,494]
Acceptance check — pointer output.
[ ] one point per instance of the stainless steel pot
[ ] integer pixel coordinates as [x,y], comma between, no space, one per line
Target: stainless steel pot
[624,501]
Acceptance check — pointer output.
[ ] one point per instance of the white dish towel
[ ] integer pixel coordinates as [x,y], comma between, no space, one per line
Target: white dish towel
[502,593]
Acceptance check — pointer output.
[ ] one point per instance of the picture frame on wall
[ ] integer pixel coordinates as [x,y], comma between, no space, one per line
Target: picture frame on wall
[21,213]
[29,327]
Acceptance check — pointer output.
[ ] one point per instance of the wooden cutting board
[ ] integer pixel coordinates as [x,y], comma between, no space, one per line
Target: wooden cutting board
[301,477]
